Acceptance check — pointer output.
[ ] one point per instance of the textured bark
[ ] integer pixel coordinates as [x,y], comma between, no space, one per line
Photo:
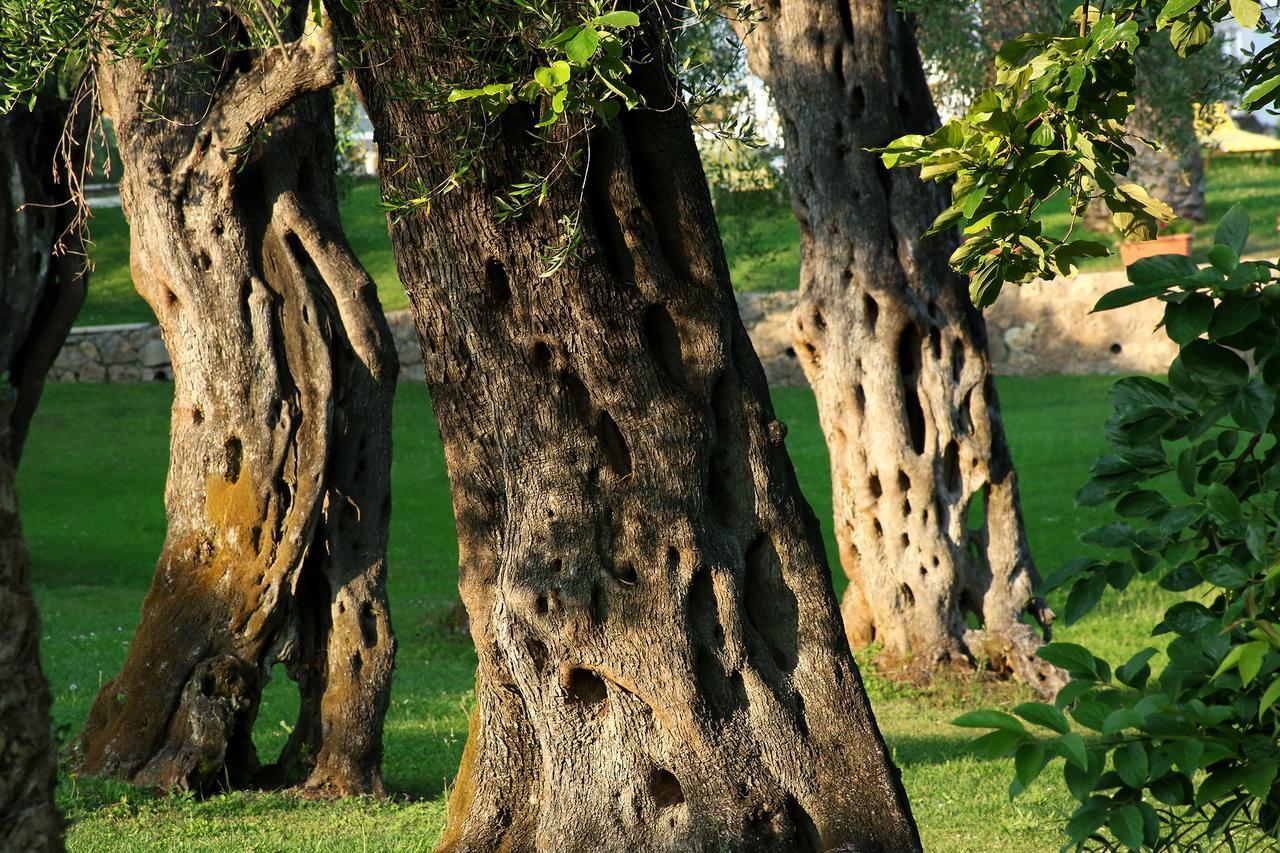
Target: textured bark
[40,291]
[661,661]
[926,499]
[39,295]
[278,491]
[29,820]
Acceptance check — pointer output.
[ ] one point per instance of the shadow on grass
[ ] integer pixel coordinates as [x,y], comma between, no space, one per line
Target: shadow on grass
[911,751]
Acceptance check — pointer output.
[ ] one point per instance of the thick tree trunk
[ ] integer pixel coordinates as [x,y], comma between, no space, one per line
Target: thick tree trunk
[29,820]
[661,660]
[278,493]
[40,293]
[926,499]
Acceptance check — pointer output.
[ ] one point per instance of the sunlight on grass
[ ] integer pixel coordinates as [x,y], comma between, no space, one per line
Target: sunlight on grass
[94,553]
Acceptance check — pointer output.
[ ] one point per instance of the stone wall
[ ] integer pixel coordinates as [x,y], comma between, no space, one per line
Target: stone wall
[1037,329]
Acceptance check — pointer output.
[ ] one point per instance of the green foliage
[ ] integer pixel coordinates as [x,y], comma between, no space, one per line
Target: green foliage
[1191,754]
[1054,123]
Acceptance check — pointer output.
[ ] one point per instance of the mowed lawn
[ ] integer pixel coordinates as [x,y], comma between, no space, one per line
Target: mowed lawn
[95,521]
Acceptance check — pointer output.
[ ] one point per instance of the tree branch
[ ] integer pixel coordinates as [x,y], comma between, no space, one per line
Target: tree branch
[279,75]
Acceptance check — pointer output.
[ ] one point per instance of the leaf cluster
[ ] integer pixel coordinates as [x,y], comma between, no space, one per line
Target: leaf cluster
[1166,760]
[1054,122]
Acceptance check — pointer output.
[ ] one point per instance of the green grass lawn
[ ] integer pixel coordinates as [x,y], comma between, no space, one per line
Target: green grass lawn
[95,521]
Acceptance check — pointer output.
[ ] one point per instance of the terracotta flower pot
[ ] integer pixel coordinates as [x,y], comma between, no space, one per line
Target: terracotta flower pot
[1174,244]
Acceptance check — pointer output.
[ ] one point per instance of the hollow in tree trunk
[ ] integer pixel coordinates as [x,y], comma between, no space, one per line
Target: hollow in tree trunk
[927,515]
[278,491]
[661,660]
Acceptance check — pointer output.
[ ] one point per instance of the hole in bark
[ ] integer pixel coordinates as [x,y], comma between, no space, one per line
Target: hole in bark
[577,396]
[877,526]
[540,605]
[584,687]
[874,485]
[539,355]
[203,261]
[234,454]
[971,608]
[724,693]
[599,605]
[791,352]
[806,833]
[908,597]
[170,298]
[665,789]
[357,664]
[935,342]
[819,321]
[957,359]
[837,67]
[625,573]
[906,541]
[870,311]
[770,603]
[909,370]
[904,482]
[964,417]
[1116,349]
[860,400]
[663,340]
[368,626]
[857,102]
[612,241]
[197,415]
[495,279]
[537,651]
[906,506]
[614,445]
[951,467]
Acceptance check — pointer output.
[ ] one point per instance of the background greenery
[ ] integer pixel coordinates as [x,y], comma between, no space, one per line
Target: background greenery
[95,545]
[760,235]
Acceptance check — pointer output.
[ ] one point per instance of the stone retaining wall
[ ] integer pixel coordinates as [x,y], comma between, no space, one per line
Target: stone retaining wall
[1038,329]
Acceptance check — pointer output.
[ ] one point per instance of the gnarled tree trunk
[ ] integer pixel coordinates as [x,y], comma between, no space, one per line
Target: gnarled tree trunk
[926,499]
[39,294]
[278,493]
[661,661]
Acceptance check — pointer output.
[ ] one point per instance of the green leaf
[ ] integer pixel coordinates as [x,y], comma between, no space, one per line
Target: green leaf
[1269,698]
[1224,259]
[1189,319]
[1043,715]
[1221,570]
[1162,269]
[1258,777]
[1131,764]
[1084,596]
[1126,825]
[1233,229]
[1246,12]
[1123,296]
[1075,659]
[1186,755]
[582,46]
[1234,315]
[1028,761]
[617,20]
[1223,504]
[1071,745]
[989,720]
[998,743]
[1255,405]
[1214,368]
